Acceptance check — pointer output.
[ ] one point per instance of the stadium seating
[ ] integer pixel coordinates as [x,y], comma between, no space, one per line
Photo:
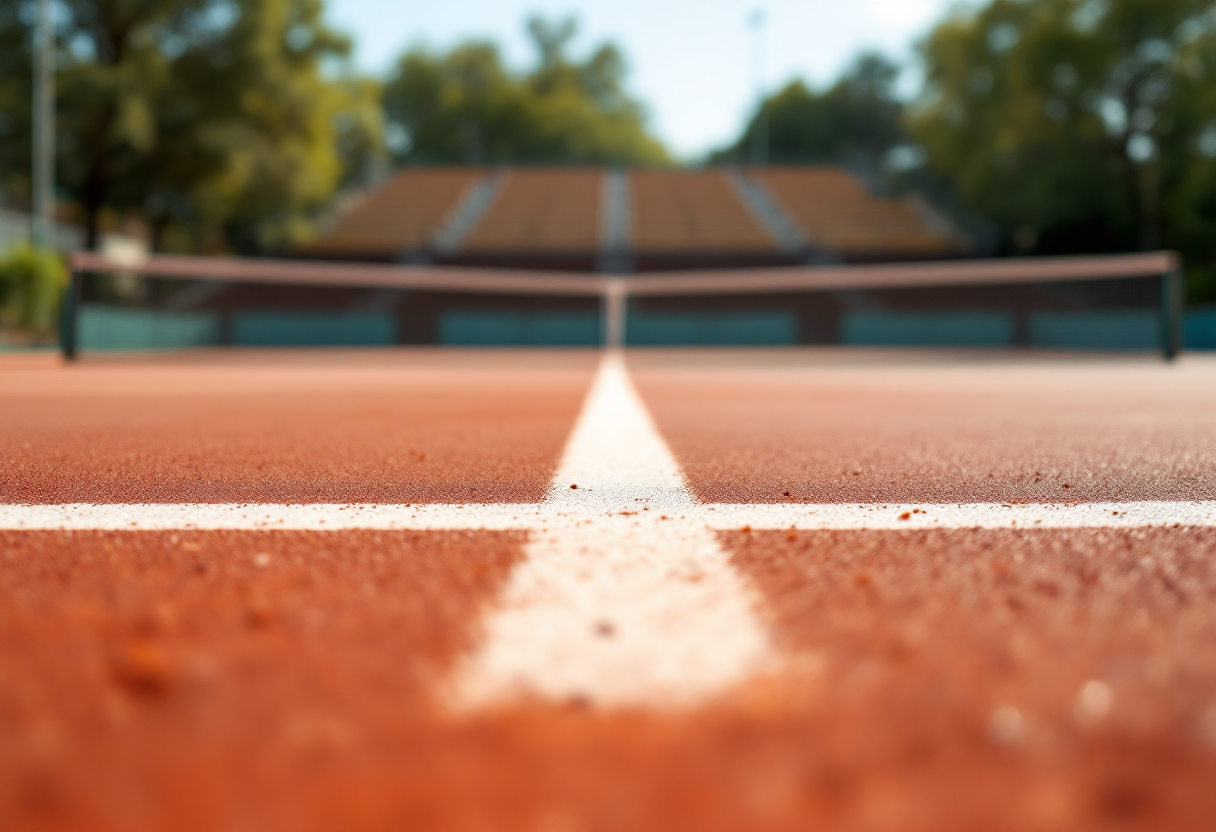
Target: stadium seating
[692,211]
[838,214]
[400,216]
[541,210]
[538,217]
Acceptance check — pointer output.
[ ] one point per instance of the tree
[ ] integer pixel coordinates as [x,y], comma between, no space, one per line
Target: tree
[15,91]
[258,163]
[111,67]
[31,285]
[1078,125]
[208,118]
[466,106]
[859,120]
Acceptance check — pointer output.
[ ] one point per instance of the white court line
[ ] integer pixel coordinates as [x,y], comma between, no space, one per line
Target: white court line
[618,611]
[878,516]
[530,516]
[624,597]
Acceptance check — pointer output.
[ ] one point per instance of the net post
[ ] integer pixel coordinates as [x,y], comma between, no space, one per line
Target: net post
[1171,312]
[69,325]
[614,314]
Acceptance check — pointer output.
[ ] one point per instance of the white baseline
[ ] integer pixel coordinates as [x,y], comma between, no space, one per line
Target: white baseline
[533,516]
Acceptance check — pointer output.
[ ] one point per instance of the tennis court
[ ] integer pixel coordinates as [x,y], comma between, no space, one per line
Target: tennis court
[567,589]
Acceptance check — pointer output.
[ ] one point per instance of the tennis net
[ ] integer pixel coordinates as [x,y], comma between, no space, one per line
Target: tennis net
[1128,302]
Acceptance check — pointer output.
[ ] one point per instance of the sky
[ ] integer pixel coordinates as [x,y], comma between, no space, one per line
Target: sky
[693,63]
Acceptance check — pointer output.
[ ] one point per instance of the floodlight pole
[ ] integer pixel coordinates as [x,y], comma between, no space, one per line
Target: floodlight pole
[42,178]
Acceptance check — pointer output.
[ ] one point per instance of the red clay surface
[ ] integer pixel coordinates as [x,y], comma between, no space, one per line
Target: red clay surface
[182,681]
[934,680]
[826,428]
[346,427]
[283,680]
[944,672]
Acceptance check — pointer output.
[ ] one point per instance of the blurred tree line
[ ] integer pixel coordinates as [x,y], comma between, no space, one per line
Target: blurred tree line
[467,106]
[226,125]
[1080,125]
[1068,126]
[220,124]
[858,121]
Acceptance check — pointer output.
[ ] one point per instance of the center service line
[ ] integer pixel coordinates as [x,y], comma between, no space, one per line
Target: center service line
[624,598]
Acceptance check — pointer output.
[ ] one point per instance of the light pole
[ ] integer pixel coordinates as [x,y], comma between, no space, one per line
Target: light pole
[759,148]
[42,175]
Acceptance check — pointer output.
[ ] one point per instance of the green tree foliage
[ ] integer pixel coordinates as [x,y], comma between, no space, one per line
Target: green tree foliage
[31,284]
[220,123]
[1078,125]
[15,84]
[255,130]
[856,121]
[466,106]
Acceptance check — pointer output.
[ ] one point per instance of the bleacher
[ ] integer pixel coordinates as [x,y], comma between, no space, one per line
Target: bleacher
[550,217]
[391,221]
[678,214]
[838,214]
[538,214]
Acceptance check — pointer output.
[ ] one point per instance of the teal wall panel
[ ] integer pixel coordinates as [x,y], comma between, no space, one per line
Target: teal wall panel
[494,328]
[1097,330]
[120,328]
[928,329]
[290,328]
[671,329]
[1200,328]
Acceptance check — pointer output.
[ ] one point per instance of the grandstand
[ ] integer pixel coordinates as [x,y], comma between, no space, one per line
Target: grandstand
[405,214]
[538,218]
[838,214]
[589,219]
[687,218]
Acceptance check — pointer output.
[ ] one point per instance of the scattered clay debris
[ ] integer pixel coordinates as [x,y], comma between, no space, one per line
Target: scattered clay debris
[1007,726]
[142,668]
[907,515]
[573,486]
[258,613]
[579,702]
[1094,702]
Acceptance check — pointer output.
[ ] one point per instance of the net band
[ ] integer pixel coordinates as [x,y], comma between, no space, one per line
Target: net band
[803,278]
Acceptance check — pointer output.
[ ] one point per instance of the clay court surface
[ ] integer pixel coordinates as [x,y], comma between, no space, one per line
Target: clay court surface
[495,649]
